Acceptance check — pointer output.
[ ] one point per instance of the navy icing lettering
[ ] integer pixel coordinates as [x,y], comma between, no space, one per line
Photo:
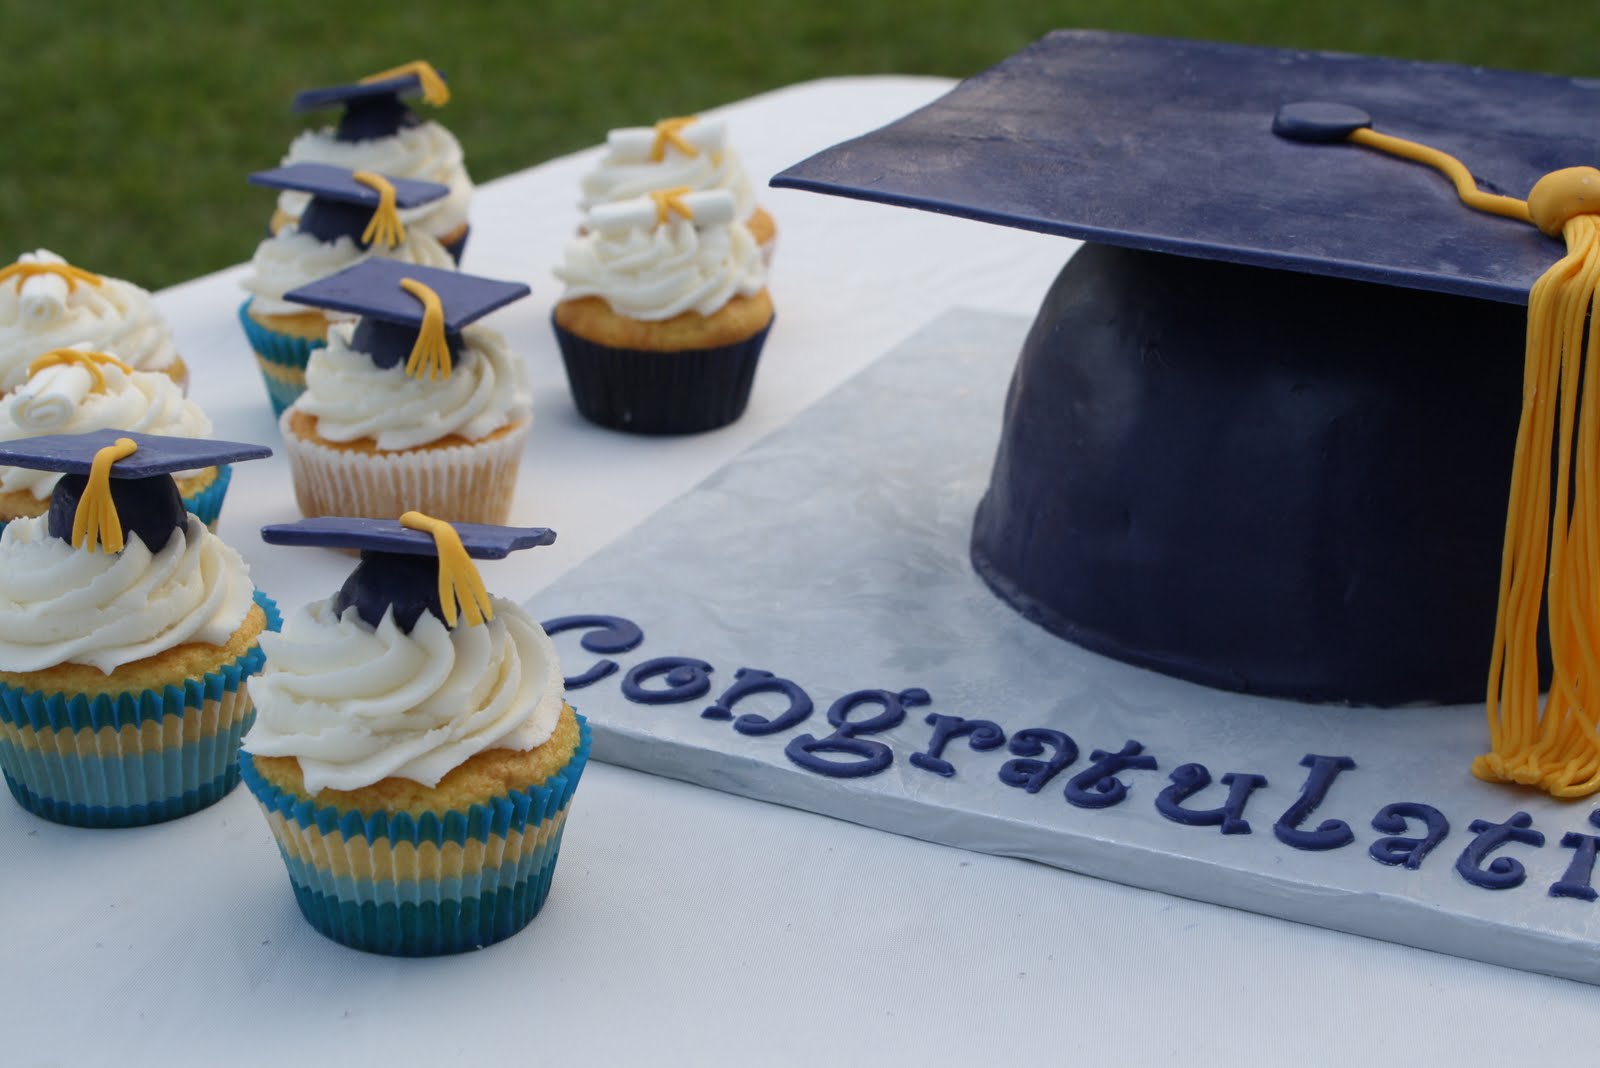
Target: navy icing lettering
[981,734]
[1330,834]
[1097,786]
[867,757]
[1402,851]
[1502,873]
[749,681]
[1578,881]
[607,634]
[1189,779]
[1032,775]
[686,679]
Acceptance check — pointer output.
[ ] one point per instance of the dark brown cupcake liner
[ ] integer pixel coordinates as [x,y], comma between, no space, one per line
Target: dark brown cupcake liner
[644,392]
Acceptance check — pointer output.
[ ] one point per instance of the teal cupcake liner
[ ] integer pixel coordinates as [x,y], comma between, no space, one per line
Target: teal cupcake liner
[422,886]
[133,758]
[207,504]
[282,359]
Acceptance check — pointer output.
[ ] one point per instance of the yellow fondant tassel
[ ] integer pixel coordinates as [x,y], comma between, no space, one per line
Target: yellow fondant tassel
[430,356]
[669,202]
[385,227]
[1552,520]
[95,523]
[73,275]
[89,361]
[435,92]
[670,132]
[459,582]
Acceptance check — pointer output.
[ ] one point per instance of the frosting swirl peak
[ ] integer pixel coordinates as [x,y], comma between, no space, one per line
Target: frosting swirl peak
[357,704]
[353,398]
[62,605]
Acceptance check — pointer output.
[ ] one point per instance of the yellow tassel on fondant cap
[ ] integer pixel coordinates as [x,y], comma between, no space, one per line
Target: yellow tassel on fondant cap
[73,275]
[385,227]
[95,523]
[430,356]
[669,202]
[89,361]
[1552,523]
[670,132]
[434,90]
[459,582]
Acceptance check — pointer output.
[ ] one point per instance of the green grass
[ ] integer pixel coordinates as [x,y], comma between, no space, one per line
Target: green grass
[128,133]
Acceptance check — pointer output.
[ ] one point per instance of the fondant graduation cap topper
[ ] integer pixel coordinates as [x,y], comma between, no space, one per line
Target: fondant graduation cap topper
[1208,151]
[118,483]
[409,313]
[412,565]
[375,105]
[361,205]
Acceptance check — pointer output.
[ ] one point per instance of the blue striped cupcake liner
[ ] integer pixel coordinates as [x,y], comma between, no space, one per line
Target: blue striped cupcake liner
[206,504]
[422,886]
[132,758]
[281,358]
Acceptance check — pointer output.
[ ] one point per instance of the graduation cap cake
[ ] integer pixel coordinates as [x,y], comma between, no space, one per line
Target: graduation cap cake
[1262,432]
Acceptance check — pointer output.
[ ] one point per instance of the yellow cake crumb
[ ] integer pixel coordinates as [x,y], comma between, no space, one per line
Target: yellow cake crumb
[304,426]
[592,319]
[192,660]
[491,773]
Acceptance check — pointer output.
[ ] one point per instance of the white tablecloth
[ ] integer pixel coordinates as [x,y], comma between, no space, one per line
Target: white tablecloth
[688,926]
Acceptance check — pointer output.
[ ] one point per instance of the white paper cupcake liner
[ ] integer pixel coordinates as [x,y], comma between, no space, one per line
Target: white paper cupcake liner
[461,484]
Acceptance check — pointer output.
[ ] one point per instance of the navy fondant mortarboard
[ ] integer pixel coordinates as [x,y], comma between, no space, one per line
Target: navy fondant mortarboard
[409,312]
[117,482]
[413,564]
[1265,427]
[375,106]
[355,204]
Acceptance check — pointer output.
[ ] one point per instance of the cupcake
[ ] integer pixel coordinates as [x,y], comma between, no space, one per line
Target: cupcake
[75,391]
[45,303]
[352,216]
[676,153]
[410,406]
[664,314]
[379,132]
[414,755]
[127,630]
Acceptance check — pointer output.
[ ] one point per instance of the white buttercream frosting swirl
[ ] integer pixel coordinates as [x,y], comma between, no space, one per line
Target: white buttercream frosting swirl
[627,171]
[357,704]
[653,272]
[353,398]
[61,400]
[41,313]
[289,259]
[61,605]
[427,152]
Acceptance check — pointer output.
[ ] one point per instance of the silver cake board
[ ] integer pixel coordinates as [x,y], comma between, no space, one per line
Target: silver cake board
[833,554]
